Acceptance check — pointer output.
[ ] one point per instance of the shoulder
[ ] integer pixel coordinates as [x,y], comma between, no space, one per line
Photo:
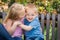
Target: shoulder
[36,20]
[25,20]
[8,22]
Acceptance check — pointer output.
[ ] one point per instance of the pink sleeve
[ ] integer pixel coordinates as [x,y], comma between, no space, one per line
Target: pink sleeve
[22,20]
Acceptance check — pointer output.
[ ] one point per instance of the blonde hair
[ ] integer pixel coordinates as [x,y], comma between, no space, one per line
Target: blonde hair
[13,12]
[32,7]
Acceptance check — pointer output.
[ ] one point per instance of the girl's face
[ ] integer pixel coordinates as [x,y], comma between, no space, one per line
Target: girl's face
[21,13]
[30,15]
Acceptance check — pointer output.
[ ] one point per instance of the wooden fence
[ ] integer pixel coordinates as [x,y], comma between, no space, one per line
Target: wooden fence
[54,21]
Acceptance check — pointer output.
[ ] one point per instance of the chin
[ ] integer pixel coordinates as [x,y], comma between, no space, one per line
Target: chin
[30,20]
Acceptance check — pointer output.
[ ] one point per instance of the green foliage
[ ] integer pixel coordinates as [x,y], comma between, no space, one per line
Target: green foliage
[55,4]
[49,9]
[11,2]
[4,1]
[23,2]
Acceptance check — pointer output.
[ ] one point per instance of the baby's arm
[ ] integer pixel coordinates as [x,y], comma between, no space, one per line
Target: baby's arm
[25,27]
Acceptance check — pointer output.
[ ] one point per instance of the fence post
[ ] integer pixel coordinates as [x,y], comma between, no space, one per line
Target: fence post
[1,15]
[53,26]
[42,22]
[58,28]
[47,26]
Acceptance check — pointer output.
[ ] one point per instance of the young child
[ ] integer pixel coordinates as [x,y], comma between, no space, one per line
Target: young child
[11,22]
[32,26]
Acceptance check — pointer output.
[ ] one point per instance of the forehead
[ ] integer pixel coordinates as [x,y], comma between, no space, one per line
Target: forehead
[30,10]
[30,13]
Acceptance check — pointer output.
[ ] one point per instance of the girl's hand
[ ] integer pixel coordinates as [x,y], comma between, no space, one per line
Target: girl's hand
[17,23]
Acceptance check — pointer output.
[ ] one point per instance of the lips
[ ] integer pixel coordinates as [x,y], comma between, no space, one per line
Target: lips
[30,18]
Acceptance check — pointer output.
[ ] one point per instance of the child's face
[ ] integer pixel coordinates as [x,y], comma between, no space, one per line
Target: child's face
[21,13]
[30,15]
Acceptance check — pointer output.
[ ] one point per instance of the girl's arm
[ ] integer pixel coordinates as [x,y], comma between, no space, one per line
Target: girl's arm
[9,27]
[16,23]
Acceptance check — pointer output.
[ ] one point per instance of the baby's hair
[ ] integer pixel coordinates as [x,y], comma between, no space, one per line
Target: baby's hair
[32,7]
[13,11]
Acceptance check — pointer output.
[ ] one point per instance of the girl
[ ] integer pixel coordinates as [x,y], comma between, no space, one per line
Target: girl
[12,31]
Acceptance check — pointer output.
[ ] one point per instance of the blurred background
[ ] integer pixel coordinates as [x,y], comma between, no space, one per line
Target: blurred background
[43,6]
[51,6]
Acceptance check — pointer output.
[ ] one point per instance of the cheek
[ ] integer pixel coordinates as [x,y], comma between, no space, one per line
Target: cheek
[33,17]
[26,16]
[22,15]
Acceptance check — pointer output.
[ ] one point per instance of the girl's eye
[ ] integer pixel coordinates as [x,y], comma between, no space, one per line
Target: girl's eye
[32,14]
[27,14]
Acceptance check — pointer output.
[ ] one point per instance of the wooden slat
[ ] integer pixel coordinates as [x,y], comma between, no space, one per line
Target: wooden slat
[58,29]
[42,22]
[47,26]
[1,15]
[53,26]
